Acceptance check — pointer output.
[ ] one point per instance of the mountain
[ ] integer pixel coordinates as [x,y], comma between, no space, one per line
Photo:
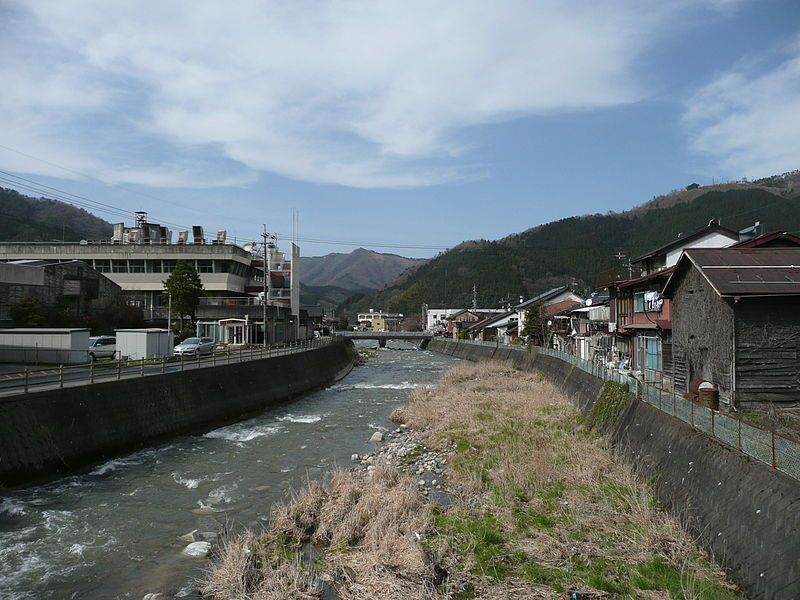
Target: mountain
[582,250]
[25,219]
[357,271]
[327,296]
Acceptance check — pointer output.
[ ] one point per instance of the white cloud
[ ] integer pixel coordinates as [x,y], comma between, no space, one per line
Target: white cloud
[748,119]
[364,94]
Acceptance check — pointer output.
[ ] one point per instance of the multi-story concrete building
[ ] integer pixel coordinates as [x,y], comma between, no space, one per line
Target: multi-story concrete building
[139,259]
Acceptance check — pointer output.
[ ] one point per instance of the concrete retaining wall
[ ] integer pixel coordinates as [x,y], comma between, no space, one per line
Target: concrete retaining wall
[747,514]
[49,433]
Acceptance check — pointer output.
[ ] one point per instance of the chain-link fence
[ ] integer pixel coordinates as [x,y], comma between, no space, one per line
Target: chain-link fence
[766,446]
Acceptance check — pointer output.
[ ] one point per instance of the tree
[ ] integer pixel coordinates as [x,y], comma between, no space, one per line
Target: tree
[534,329]
[26,312]
[185,287]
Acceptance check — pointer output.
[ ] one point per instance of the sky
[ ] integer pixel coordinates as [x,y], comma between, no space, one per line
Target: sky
[405,127]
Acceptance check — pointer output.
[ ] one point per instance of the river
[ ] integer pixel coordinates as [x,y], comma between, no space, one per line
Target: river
[114,532]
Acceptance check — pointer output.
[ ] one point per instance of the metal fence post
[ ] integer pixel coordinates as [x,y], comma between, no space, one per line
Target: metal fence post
[214,359]
[141,368]
[182,361]
[61,376]
[240,354]
[26,380]
[163,363]
[198,358]
[119,368]
[739,434]
[91,372]
[228,356]
[774,461]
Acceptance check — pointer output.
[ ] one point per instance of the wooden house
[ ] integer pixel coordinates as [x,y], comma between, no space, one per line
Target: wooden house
[736,323]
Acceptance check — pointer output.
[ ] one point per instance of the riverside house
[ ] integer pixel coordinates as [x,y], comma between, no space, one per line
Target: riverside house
[736,322]
[640,318]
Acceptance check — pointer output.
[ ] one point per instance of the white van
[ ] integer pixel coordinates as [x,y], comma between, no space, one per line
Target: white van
[102,346]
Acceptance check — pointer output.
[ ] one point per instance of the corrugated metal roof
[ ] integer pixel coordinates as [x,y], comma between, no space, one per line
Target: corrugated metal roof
[748,271]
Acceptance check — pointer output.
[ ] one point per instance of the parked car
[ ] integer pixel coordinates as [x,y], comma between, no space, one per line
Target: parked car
[102,346]
[193,346]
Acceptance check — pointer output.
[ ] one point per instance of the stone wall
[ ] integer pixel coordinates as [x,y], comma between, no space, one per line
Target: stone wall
[46,434]
[747,514]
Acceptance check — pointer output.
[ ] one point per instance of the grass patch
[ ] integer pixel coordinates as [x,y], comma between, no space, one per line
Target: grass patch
[609,405]
[540,501]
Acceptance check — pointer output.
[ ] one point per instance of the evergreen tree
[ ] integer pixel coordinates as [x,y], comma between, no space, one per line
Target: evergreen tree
[534,329]
[27,313]
[185,287]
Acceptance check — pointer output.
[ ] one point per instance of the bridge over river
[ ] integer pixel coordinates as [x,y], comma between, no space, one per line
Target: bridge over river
[383,336]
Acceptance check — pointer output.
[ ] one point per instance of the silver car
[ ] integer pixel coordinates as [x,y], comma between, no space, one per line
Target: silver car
[102,346]
[194,346]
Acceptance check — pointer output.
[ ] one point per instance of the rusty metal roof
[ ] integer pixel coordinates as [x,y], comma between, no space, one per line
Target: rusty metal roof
[744,271]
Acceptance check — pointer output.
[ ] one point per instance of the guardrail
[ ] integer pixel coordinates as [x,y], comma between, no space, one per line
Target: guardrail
[764,445]
[59,376]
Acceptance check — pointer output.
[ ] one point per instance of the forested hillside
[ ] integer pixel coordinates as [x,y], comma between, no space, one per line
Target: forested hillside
[25,219]
[576,250]
[357,270]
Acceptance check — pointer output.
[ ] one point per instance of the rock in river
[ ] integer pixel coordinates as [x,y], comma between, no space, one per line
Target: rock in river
[376,437]
[199,549]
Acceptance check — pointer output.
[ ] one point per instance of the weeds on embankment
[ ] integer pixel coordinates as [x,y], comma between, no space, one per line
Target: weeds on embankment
[539,507]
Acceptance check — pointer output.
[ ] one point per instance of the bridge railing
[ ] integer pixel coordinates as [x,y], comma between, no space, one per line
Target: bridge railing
[55,376]
[764,445]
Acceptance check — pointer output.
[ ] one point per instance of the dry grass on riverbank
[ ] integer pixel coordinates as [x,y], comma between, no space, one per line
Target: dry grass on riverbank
[369,530]
[540,500]
[539,507]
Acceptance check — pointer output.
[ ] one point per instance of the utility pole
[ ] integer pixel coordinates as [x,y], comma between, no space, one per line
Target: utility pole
[474,296]
[266,274]
[169,314]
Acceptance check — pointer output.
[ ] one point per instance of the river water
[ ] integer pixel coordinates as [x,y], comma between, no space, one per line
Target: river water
[114,532]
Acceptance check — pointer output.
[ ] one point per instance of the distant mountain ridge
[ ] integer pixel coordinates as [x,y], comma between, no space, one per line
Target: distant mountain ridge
[26,219]
[581,250]
[356,271]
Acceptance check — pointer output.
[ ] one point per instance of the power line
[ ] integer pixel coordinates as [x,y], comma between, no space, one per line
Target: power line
[57,196]
[87,176]
[285,237]
[70,198]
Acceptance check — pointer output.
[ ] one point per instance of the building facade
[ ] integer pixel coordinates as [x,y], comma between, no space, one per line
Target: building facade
[736,317]
[139,259]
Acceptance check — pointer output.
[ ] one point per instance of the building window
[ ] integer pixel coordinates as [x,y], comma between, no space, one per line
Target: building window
[638,302]
[136,266]
[223,267]
[205,266]
[104,266]
[169,265]
[119,266]
[647,302]
[155,266]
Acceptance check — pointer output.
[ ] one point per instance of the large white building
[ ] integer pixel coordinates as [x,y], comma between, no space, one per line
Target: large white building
[139,259]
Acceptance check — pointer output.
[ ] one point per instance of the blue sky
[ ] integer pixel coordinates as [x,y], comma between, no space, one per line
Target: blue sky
[410,123]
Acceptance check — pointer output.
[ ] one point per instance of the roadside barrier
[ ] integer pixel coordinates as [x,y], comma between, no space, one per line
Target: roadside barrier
[59,376]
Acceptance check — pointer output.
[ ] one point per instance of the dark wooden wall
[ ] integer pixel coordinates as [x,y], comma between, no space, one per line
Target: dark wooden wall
[768,351]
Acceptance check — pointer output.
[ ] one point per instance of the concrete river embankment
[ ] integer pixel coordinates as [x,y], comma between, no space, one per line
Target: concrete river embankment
[741,509]
[115,532]
[54,431]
